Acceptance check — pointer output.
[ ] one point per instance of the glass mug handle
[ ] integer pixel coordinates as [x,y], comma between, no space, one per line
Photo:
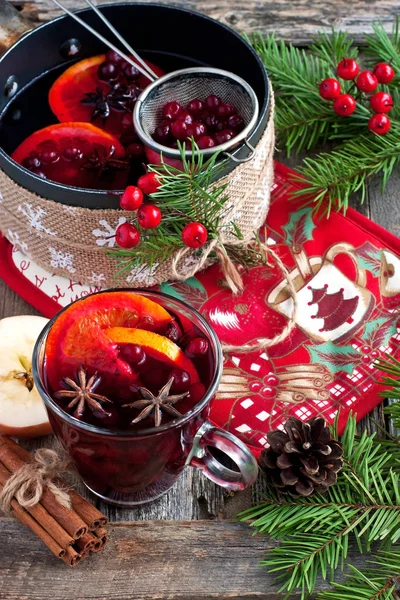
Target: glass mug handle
[200,457]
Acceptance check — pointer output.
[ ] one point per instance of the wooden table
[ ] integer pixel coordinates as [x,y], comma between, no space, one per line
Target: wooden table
[185,546]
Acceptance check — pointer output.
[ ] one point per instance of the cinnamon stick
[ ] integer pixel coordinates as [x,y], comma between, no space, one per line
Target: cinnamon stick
[102,533]
[86,542]
[41,515]
[10,457]
[72,557]
[89,513]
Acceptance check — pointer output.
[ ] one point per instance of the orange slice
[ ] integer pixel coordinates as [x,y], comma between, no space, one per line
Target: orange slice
[157,346]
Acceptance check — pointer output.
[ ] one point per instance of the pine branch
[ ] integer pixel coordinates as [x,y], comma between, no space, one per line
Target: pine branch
[379,582]
[391,367]
[383,47]
[315,532]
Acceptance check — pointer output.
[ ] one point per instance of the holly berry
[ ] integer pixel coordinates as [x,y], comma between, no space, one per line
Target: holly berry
[127,236]
[348,68]
[344,105]
[379,124]
[194,235]
[329,88]
[367,81]
[381,102]
[384,72]
[132,198]
[149,216]
[149,183]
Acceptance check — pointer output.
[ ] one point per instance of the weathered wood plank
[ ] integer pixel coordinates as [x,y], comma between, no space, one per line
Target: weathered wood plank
[189,560]
[297,21]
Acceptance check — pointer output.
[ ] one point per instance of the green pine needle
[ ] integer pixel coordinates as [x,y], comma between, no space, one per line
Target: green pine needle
[315,533]
[391,367]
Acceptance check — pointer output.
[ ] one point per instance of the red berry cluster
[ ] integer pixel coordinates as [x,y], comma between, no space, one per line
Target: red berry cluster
[210,122]
[149,216]
[366,82]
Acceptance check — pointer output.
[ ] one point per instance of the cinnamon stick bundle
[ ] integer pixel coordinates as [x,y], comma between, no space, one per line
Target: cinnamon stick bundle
[65,531]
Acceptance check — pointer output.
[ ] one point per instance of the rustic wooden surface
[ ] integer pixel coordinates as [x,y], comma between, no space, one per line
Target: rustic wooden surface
[184,546]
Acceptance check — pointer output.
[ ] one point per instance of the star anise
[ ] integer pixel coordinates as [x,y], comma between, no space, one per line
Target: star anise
[120,97]
[82,394]
[161,402]
[102,158]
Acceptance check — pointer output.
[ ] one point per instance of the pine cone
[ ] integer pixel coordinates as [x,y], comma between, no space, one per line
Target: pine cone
[303,458]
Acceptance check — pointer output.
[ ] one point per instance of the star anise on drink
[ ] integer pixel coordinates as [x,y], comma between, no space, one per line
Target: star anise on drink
[156,404]
[120,97]
[81,394]
[102,158]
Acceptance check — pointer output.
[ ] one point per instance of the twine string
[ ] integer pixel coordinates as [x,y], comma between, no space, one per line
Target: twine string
[28,483]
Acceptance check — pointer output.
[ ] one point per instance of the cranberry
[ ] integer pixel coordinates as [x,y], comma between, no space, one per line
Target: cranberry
[236,122]
[162,132]
[195,106]
[329,88]
[197,347]
[179,130]
[344,105]
[149,216]
[186,117]
[49,156]
[132,198]
[181,382]
[40,174]
[173,332]
[205,142]
[348,68]
[367,81]
[224,136]
[31,162]
[114,57]
[133,354]
[107,71]
[212,102]
[225,110]
[127,236]
[196,392]
[197,130]
[211,121]
[220,124]
[127,120]
[146,322]
[72,153]
[149,183]
[172,110]
[384,72]
[130,72]
[194,235]
[135,150]
[381,102]
[379,124]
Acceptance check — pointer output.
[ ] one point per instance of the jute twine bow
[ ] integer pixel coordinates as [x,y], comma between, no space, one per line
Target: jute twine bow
[28,483]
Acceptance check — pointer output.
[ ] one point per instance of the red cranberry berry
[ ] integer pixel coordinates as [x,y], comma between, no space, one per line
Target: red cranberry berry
[196,392]
[381,102]
[205,142]
[384,72]
[148,183]
[127,236]
[220,124]
[135,150]
[149,216]
[171,110]
[197,130]
[130,72]
[72,153]
[379,124]
[49,156]
[31,162]
[224,136]
[195,106]
[348,68]
[197,347]
[367,81]
[344,105]
[186,117]
[225,110]
[108,71]
[40,174]
[114,57]
[162,132]
[212,102]
[194,235]
[181,382]
[329,88]
[235,122]
[127,120]
[211,122]
[132,198]
[179,129]
[133,354]
[173,331]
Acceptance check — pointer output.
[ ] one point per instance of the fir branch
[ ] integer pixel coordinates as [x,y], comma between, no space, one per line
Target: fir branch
[315,532]
[332,47]
[383,47]
[391,366]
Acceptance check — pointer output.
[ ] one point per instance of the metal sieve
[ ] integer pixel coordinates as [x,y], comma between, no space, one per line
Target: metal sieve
[186,84]
[182,86]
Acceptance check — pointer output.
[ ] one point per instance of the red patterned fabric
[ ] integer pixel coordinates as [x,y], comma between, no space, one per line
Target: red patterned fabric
[346,271]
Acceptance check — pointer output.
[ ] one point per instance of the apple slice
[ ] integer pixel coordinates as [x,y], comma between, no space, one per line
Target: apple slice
[22,412]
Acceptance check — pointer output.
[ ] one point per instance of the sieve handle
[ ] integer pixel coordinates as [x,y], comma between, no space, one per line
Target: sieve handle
[247,158]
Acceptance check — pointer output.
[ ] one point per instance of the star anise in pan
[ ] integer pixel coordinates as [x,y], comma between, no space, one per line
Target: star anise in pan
[120,97]
[102,159]
[81,394]
[162,402]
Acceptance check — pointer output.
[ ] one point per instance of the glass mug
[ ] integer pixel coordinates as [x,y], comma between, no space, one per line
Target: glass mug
[127,468]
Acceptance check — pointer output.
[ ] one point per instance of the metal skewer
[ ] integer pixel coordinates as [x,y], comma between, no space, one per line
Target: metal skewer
[147,73]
